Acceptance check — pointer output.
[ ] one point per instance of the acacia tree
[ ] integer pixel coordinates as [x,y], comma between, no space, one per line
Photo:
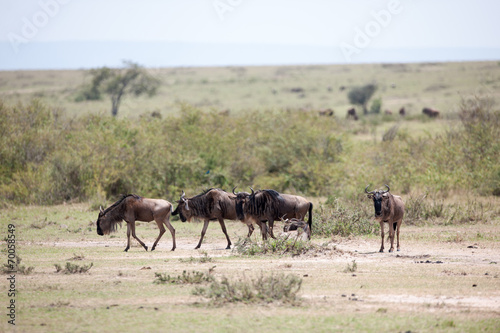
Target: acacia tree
[118,82]
[361,95]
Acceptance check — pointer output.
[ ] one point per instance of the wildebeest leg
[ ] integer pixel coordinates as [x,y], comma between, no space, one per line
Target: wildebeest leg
[382,235]
[263,229]
[250,230]
[132,228]
[398,226]
[162,231]
[128,237]
[271,226]
[203,231]
[391,236]
[160,221]
[223,226]
[172,232]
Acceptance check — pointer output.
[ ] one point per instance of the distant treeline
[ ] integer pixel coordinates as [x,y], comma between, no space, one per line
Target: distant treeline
[47,158]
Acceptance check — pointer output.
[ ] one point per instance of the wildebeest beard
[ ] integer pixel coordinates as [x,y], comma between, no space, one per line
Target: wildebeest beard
[113,215]
[377,202]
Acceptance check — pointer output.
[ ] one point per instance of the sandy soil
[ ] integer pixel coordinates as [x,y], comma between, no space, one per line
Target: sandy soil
[434,272]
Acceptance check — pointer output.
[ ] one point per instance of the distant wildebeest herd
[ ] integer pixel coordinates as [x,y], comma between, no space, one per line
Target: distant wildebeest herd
[351,113]
[262,207]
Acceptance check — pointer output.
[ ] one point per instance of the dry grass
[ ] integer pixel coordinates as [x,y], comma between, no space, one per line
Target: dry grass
[246,88]
[445,277]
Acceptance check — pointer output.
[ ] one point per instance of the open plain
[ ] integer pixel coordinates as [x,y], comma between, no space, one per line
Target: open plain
[445,279]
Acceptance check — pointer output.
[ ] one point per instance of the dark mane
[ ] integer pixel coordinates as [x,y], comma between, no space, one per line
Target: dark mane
[202,204]
[119,202]
[264,201]
[274,194]
[114,214]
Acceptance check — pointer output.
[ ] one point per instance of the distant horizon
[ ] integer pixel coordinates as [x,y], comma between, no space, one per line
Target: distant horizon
[66,34]
[66,55]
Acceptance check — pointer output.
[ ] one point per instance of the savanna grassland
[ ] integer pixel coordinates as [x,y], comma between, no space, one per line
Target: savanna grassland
[260,127]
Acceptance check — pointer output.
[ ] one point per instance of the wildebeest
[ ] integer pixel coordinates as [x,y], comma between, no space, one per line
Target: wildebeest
[351,113]
[211,205]
[326,112]
[295,224]
[269,205]
[131,208]
[430,112]
[402,111]
[389,209]
[297,90]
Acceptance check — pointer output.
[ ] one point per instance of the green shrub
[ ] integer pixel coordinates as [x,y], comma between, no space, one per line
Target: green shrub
[48,158]
[186,277]
[376,106]
[280,246]
[10,268]
[264,289]
[361,95]
[337,218]
[351,268]
[73,268]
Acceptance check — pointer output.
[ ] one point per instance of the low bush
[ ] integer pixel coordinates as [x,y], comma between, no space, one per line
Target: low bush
[73,268]
[280,246]
[16,267]
[337,218]
[351,268]
[49,159]
[186,277]
[263,289]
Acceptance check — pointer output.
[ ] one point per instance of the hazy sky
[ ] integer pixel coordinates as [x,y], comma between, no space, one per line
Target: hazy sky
[349,25]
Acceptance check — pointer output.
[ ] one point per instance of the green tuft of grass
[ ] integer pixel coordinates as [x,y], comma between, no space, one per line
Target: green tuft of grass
[351,268]
[193,277]
[204,259]
[342,219]
[262,290]
[10,268]
[73,268]
[280,246]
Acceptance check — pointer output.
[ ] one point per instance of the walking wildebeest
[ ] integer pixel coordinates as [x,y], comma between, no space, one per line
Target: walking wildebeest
[430,112]
[269,205]
[388,209]
[211,205]
[133,208]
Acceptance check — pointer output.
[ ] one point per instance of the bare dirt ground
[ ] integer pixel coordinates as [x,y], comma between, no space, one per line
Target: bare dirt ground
[445,278]
[446,268]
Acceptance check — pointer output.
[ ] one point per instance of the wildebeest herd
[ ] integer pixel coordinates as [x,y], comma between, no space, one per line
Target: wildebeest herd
[262,207]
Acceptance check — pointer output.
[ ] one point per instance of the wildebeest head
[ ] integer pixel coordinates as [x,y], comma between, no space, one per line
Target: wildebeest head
[99,217]
[183,208]
[241,199]
[106,221]
[378,196]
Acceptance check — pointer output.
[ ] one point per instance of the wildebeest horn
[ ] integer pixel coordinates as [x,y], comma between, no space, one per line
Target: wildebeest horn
[234,188]
[253,192]
[183,195]
[366,188]
[100,209]
[388,188]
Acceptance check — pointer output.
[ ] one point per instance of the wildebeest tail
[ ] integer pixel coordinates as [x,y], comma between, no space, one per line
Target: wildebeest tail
[310,221]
